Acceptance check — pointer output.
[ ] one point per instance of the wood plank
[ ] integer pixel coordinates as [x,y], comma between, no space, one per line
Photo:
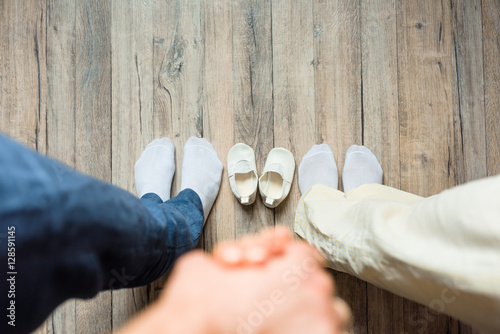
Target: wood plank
[253,98]
[425,99]
[177,88]
[93,126]
[26,85]
[468,97]
[337,61]
[425,118]
[22,72]
[161,124]
[293,89]
[218,120]
[470,158]
[23,82]
[132,103]
[491,47]
[61,81]
[40,41]
[338,93]
[385,311]
[381,131]
[491,70]
[61,116]
[380,88]
[178,57]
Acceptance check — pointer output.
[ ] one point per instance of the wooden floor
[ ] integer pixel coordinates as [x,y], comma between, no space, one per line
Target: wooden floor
[91,82]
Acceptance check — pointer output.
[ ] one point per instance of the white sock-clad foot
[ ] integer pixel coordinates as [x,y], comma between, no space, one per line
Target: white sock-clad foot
[201,171]
[361,167]
[155,169]
[318,167]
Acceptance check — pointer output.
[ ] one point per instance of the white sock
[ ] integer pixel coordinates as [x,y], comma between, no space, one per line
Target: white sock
[155,169]
[201,171]
[318,167]
[361,167]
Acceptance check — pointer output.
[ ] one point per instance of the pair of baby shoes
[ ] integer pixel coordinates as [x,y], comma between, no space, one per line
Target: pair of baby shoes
[274,183]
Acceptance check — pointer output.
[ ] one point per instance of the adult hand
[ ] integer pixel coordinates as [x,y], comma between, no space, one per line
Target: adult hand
[288,292]
[255,250]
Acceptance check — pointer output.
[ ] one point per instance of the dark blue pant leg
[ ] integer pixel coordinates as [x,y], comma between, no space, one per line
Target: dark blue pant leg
[76,235]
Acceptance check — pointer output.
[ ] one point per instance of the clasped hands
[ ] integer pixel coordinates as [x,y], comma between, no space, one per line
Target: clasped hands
[263,284]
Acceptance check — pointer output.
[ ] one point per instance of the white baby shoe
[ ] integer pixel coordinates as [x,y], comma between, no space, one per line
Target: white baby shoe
[275,182]
[242,173]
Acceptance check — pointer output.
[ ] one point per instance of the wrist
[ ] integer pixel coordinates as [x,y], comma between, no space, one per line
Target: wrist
[164,317]
[183,319]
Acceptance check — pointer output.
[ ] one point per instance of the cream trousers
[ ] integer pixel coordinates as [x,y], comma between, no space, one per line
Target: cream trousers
[442,251]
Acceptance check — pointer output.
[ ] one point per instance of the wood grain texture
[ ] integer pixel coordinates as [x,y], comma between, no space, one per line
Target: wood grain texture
[162,38]
[22,66]
[293,88]
[218,110]
[337,63]
[379,75]
[468,97]
[178,55]
[380,122]
[470,158]
[23,84]
[425,118]
[132,112]
[61,132]
[425,96]
[93,126]
[177,87]
[253,98]
[338,93]
[61,81]
[491,47]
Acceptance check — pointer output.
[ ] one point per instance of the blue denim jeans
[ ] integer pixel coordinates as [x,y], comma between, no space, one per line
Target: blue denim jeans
[67,235]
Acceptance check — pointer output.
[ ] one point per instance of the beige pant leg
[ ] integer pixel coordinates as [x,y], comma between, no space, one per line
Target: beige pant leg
[442,251]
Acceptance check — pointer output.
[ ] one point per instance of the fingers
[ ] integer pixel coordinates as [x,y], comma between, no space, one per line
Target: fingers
[337,320]
[276,239]
[343,313]
[249,250]
[229,253]
[254,249]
